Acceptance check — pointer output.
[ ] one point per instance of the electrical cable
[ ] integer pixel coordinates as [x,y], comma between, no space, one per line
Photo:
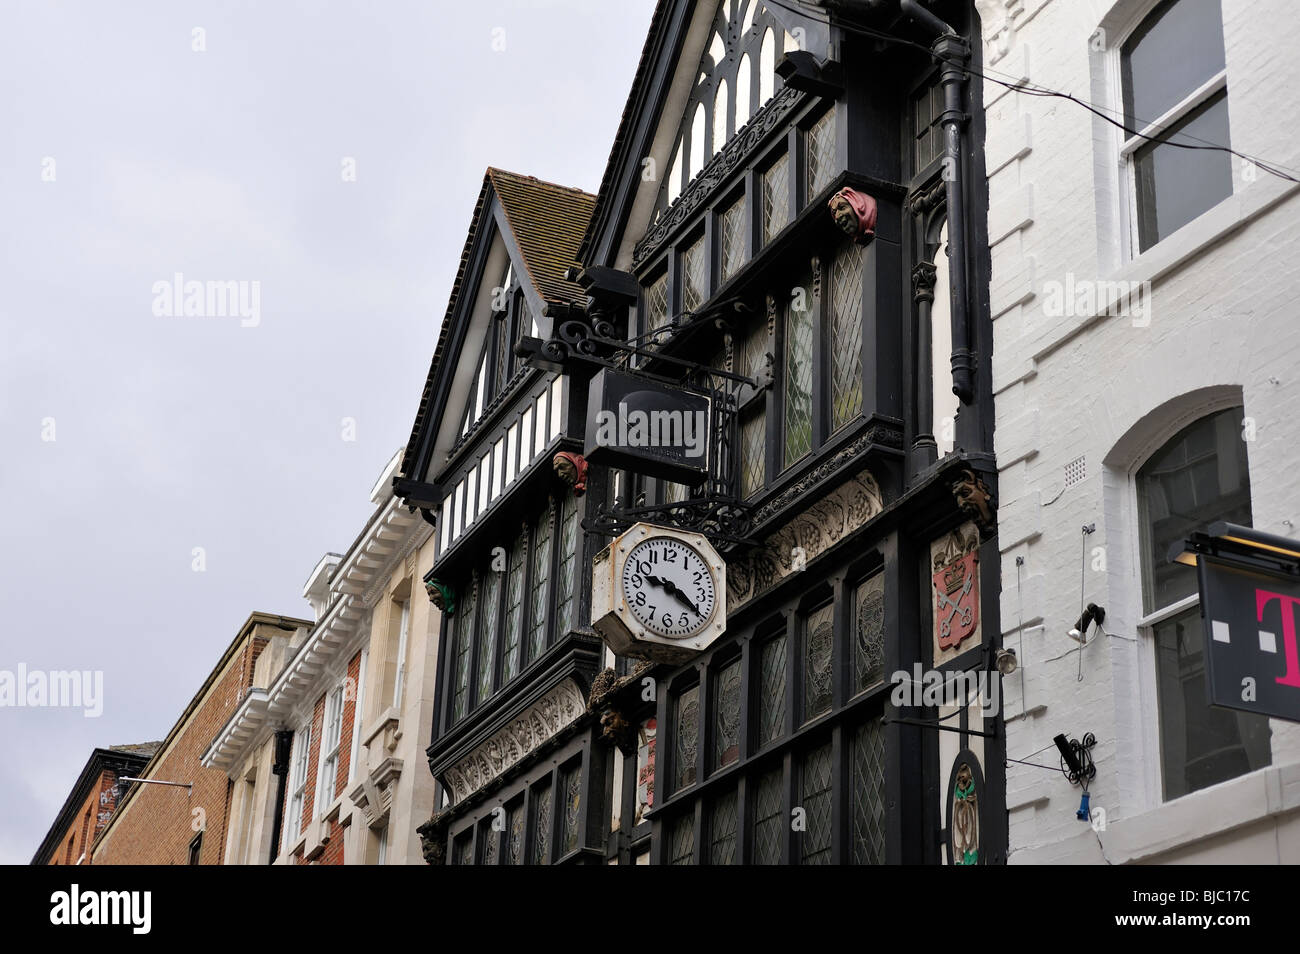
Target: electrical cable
[1034,89]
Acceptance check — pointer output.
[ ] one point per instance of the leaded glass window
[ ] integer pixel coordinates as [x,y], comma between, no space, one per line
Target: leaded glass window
[537,611]
[769,822]
[571,791]
[541,824]
[733,224]
[501,373]
[753,451]
[868,792]
[722,830]
[515,834]
[489,842]
[514,608]
[464,638]
[868,624]
[819,642]
[695,275]
[726,715]
[565,576]
[776,198]
[463,850]
[771,721]
[686,723]
[927,135]
[815,799]
[656,303]
[821,154]
[798,378]
[487,634]
[846,336]
[682,840]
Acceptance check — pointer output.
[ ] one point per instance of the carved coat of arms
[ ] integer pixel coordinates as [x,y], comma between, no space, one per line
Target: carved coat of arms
[956,588]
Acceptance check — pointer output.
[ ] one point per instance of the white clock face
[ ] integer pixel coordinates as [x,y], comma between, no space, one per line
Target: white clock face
[668,587]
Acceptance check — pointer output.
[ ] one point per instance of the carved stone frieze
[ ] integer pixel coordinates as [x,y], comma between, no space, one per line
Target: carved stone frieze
[522,735]
[718,170]
[832,517]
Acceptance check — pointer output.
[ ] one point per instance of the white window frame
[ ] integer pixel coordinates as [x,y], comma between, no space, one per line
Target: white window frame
[1122,146]
[403,637]
[298,783]
[331,743]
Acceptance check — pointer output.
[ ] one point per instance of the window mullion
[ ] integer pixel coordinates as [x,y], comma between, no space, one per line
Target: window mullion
[1160,126]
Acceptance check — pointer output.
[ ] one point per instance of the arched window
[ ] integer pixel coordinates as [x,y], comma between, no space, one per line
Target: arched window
[720,117]
[743,79]
[1175,90]
[1200,476]
[767,68]
[697,142]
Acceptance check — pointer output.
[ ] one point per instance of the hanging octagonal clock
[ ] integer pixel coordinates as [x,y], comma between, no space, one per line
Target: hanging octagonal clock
[659,593]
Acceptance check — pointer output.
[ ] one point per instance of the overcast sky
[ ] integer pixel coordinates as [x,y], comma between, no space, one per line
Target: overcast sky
[128,438]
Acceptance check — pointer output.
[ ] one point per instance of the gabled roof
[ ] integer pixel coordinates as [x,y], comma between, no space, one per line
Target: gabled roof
[119,758]
[636,97]
[547,222]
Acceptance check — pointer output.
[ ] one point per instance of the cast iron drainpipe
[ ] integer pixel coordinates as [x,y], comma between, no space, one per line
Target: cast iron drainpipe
[279,768]
[953,51]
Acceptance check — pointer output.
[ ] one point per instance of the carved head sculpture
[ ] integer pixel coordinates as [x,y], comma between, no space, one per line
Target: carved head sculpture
[572,469]
[974,499]
[441,595]
[855,214]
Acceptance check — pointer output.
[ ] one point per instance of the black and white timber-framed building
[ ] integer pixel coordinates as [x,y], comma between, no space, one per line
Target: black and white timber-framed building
[862,461]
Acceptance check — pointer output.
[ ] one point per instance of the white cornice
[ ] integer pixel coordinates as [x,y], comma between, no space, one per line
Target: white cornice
[355,585]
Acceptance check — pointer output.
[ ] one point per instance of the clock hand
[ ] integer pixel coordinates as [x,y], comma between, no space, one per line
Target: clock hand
[671,589]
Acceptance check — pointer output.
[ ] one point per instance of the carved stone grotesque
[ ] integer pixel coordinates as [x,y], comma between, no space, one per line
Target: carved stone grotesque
[433,841]
[616,728]
[976,501]
[441,595]
[855,215]
[572,469]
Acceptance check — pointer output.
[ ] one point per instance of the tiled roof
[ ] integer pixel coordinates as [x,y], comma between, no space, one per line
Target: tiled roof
[548,222]
[138,748]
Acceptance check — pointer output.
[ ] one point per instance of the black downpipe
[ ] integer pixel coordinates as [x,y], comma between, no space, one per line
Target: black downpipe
[280,767]
[953,51]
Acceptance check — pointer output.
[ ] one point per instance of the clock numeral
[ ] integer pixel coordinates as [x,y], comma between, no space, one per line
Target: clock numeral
[667,621]
[636,581]
[640,598]
[670,556]
[684,621]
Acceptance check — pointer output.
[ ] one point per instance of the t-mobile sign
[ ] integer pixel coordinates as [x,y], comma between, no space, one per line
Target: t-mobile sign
[1250,616]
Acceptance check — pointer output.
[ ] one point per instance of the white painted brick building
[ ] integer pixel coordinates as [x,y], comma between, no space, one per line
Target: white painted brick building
[1088,404]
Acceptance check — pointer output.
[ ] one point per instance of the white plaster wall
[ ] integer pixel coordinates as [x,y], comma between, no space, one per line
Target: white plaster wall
[1222,325]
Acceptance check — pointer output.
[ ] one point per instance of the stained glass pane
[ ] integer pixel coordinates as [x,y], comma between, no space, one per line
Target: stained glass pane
[869,633]
[798,378]
[869,795]
[768,821]
[500,331]
[815,799]
[656,304]
[515,834]
[645,769]
[733,225]
[489,843]
[571,789]
[541,826]
[695,276]
[464,850]
[753,452]
[464,637]
[771,722]
[682,840]
[753,350]
[819,641]
[821,154]
[687,723]
[726,715]
[489,607]
[846,336]
[722,830]
[514,608]
[776,198]
[537,611]
[568,560]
